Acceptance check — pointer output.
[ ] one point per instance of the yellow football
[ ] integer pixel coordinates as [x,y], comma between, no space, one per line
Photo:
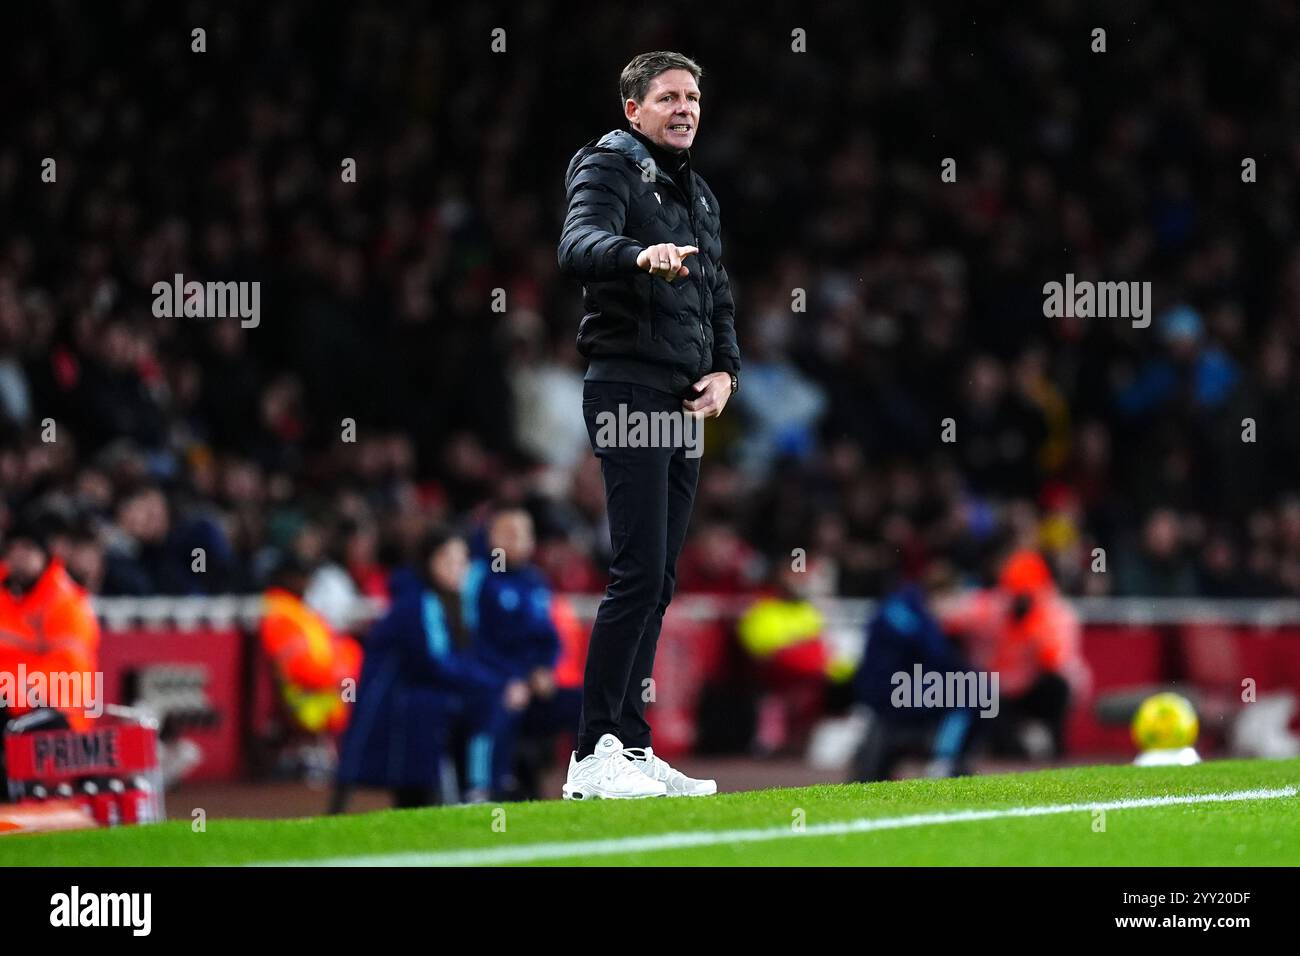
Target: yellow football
[1165,722]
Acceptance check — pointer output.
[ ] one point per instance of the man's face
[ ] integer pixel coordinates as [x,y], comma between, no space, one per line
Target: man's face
[512,532]
[670,113]
[25,561]
[86,564]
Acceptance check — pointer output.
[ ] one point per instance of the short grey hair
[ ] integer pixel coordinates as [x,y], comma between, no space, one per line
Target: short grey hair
[634,81]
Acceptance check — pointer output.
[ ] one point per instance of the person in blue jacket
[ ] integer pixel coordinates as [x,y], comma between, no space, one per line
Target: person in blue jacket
[509,606]
[422,689]
[900,635]
[509,601]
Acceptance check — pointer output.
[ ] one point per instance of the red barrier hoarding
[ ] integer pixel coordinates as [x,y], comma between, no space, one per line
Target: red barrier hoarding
[1210,659]
[195,677]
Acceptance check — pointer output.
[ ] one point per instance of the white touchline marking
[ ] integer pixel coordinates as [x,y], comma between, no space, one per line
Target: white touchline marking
[534,852]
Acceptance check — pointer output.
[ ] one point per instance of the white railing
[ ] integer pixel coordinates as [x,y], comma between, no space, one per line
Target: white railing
[193,613]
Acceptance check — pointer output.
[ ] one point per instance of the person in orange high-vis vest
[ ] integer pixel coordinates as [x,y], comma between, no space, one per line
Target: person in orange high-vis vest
[311,661]
[1028,634]
[783,631]
[47,628]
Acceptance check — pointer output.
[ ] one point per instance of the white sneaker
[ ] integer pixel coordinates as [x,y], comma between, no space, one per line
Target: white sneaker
[678,784]
[609,774]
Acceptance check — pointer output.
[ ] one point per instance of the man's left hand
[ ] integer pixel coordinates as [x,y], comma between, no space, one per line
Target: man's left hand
[715,389]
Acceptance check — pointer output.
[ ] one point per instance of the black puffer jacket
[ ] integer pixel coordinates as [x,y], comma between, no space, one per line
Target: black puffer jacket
[638,328]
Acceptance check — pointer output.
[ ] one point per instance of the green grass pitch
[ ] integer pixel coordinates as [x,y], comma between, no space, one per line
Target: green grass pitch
[1217,813]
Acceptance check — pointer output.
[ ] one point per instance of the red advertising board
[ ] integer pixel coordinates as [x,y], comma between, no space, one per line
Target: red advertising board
[54,756]
[207,663]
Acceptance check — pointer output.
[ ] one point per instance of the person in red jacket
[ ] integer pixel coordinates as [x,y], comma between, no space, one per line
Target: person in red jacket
[49,637]
[47,627]
[312,662]
[1028,634]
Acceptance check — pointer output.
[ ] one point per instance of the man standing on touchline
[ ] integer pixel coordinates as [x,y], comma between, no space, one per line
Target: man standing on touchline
[643,233]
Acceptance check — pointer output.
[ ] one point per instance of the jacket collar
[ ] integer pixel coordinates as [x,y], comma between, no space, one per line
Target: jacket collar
[51,582]
[636,149]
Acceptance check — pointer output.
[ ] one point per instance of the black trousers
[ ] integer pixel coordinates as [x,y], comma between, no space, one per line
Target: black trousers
[946,736]
[1047,699]
[649,494]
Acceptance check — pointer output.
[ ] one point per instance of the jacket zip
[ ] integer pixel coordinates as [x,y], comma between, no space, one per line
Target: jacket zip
[700,284]
[700,280]
[690,214]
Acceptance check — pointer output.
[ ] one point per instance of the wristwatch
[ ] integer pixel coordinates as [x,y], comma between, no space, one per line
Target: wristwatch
[735,382]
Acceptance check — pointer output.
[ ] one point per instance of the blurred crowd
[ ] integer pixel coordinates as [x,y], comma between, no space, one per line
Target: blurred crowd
[190,456]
